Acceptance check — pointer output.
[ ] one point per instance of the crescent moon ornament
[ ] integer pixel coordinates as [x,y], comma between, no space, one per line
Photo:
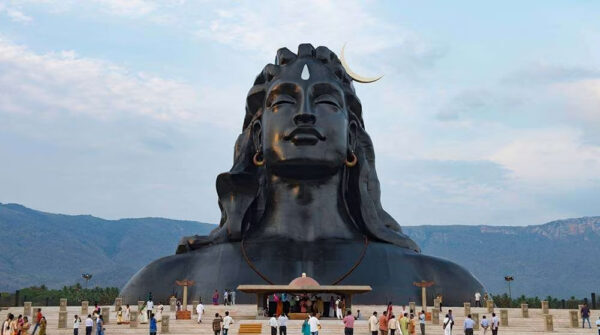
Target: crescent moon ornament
[352,74]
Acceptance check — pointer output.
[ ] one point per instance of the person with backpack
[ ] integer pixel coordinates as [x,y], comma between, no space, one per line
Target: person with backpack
[216,324]
[447,325]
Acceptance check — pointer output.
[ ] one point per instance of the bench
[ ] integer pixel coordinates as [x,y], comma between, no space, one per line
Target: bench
[250,328]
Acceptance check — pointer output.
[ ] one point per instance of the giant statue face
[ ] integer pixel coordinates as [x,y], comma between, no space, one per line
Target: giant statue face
[304,129]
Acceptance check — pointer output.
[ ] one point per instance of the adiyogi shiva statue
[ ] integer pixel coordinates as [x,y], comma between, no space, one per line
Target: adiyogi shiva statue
[303,196]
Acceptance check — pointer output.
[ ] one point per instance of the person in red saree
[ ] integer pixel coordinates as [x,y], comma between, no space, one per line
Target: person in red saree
[215,298]
[389,310]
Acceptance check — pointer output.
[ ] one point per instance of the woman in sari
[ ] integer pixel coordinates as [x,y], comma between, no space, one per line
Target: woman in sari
[120,316]
[306,327]
[159,311]
[43,324]
[215,298]
[142,315]
[126,314]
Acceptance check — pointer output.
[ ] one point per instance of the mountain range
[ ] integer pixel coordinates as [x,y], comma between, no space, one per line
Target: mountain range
[559,258]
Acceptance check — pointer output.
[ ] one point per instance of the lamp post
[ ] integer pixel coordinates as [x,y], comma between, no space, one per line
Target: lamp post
[87,277]
[508,280]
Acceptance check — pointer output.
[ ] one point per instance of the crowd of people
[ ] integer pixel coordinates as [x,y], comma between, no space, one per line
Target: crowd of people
[228,297]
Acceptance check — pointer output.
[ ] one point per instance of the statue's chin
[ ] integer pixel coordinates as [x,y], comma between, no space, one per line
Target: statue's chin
[304,169]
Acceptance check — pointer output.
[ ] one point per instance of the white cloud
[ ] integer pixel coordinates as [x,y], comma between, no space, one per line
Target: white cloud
[14,14]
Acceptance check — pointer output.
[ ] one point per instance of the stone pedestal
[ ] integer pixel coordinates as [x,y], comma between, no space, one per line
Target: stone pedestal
[525,310]
[504,317]
[574,318]
[436,303]
[475,317]
[164,324]
[467,308]
[105,314]
[435,316]
[27,308]
[412,306]
[173,304]
[62,319]
[545,307]
[490,306]
[183,315]
[63,305]
[133,319]
[194,305]
[84,308]
[118,304]
[549,322]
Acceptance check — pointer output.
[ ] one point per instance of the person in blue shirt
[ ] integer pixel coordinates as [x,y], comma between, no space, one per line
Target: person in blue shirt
[153,329]
[469,325]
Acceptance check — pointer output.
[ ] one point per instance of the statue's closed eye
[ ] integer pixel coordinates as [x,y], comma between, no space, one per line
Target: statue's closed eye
[281,100]
[327,100]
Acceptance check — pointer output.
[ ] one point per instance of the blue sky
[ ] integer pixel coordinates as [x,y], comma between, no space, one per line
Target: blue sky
[487,113]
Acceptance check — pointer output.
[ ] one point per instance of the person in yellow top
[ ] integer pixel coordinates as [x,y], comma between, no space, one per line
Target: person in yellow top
[404,324]
[412,325]
[43,326]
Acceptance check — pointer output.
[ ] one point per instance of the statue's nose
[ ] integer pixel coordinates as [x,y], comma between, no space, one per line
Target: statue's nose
[305,119]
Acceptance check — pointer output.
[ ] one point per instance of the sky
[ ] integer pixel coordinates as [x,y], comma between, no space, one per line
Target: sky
[488,112]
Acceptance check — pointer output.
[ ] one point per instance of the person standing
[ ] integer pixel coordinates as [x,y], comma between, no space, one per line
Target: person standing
[282,320]
[89,325]
[349,324]
[422,322]
[477,299]
[404,324]
[76,324]
[200,311]
[149,307]
[153,328]
[446,325]
[485,324]
[26,325]
[306,326]
[233,297]
[43,324]
[495,323]
[338,308]
[227,321]
[100,325]
[389,310]
[373,321]
[468,325]
[439,297]
[412,325]
[6,324]
[392,324]
[225,297]
[273,325]
[314,324]
[451,318]
[215,297]
[383,326]
[585,315]
[217,324]
[126,315]
[38,320]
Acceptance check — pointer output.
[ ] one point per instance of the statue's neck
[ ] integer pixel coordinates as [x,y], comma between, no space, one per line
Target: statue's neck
[306,210]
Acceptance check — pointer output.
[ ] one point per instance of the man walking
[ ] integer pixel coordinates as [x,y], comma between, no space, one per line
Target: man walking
[282,320]
[200,311]
[227,321]
[349,324]
[585,315]
[422,322]
[373,323]
[38,320]
[314,324]
[468,325]
[495,324]
[383,326]
[89,325]
[273,325]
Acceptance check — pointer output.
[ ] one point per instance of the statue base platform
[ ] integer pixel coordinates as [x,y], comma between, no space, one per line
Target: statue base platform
[183,315]
[390,270]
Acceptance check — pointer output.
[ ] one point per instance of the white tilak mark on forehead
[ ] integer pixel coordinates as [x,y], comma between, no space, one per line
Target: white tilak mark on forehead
[305,73]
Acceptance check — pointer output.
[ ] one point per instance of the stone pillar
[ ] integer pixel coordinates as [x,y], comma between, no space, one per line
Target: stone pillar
[140,305]
[574,318]
[545,309]
[424,299]
[62,319]
[133,319]
[173,304]
[467,308]
[105,314]
[412,307]
[490,306]
[475,317]
[525,310]
[194,305]
[504,317]
[118,304]
[436,303]
[84,308]
[549,322]
[184,302]
[27,308]
[435,316]
[63,305]
[164,324]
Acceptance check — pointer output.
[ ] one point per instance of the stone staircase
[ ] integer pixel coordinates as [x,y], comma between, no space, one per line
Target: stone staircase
[535,324]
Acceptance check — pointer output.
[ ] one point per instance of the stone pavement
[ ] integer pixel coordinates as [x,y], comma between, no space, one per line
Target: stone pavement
[535,324]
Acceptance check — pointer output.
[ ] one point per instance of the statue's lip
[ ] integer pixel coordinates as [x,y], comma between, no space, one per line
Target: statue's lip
[304,136]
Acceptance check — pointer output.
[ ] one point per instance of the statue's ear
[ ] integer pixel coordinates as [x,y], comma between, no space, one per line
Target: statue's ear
[257,134]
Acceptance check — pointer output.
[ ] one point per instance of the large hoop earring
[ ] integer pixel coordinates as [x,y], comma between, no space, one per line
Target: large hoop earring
[353,161]
[256,161]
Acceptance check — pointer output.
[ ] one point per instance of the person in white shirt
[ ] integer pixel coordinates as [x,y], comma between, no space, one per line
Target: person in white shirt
[373,322]
[225,297]
[447,325]
[232,297]
[273,325]
[200,311]
[338,308]
[227,321]
[314,324]
[76,324]
[89,325]
[149,307]
[283,319]
[495,324]
[477,299]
